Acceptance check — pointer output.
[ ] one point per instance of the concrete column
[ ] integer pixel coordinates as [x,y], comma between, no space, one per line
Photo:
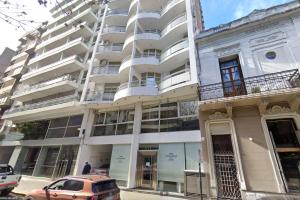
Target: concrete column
[134,145]
[192,47]
[15,155]
[83,155]
[84,150]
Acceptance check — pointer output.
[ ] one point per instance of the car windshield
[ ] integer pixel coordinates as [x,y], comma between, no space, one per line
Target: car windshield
[104,186]
[5,169]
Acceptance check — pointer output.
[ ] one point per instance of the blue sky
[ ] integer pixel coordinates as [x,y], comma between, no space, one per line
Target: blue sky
[218,12]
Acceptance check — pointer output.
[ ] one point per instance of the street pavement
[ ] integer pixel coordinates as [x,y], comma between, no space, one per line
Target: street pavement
[29,183]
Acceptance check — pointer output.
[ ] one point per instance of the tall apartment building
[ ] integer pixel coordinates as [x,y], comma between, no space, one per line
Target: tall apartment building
[9,82]
[249,106]
[113,83]
[5,58]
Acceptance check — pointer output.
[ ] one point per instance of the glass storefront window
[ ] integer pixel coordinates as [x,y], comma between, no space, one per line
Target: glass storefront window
[111,117]
[150,126]
[55,128]
[99,119]
[150,112]
[113,123]
[168,110]
[60,122]
[33,130]
[168,117]
[188,108]
[126,116]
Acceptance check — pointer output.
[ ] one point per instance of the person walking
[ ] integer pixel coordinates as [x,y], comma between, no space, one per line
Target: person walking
[87,168]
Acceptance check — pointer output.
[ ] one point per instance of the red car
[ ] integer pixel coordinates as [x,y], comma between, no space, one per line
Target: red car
[89,187]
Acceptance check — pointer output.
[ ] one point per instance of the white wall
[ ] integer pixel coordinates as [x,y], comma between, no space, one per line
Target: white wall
[251,44]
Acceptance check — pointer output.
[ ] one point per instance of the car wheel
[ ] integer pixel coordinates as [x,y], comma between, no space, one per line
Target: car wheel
[5,192]
[29,198]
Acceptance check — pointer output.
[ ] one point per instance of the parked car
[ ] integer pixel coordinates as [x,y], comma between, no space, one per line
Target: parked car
[87,187]
[8,179]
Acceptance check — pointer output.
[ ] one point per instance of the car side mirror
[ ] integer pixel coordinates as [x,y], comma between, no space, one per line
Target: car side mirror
[45,188]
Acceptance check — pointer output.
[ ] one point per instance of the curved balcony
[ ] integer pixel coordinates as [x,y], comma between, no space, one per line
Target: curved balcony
[47,88]
[173,9]
[119,3]
[142,64]
[100,96]
[175,55]
[114,33]
[116,16]
[144,39]
[147,17]
[158,39]
[178,53]
[132,5]
[112,52]
[174,80]
[107,74]
[136,90]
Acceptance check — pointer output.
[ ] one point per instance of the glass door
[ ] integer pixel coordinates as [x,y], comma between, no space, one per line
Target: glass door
[147,169]
[232,78]
[286,145]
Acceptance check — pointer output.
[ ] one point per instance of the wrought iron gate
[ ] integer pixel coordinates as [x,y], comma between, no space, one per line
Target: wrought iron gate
[228,186]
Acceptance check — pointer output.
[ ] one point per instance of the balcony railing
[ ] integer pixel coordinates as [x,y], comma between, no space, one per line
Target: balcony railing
[172,24]
[176,78]
[251,85]
[143,83]
[183,44]
[116,12]
[36,67]
[106,70]
[169,5]
[42,104]
[112,47]
[67,77]
[100,96]
[114,29]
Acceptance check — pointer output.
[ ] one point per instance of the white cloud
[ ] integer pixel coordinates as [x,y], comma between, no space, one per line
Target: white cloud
[245,7]
[9,35]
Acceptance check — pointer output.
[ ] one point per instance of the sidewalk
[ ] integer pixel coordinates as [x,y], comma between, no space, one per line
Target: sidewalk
[30,183]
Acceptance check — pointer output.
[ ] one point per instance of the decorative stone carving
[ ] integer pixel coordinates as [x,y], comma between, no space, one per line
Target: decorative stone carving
[226,51]
[218,115]
[268,38]
[278,110]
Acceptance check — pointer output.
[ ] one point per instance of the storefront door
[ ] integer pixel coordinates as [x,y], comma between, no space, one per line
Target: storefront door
[228,186]
[147,170]
[286,145]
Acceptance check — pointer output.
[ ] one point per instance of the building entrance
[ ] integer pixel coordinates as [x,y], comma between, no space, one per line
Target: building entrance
[147,169]
[286,142]
[228,186]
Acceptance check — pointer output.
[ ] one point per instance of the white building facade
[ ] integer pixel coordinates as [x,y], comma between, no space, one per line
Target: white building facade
[115,84]
[249,105]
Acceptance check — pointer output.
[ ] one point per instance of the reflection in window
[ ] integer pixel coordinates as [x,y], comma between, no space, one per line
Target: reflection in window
[113,123]
[33,130]
[65,127]
[167,117]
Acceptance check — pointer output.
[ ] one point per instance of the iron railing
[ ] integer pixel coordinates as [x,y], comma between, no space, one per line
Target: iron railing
[251,85]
